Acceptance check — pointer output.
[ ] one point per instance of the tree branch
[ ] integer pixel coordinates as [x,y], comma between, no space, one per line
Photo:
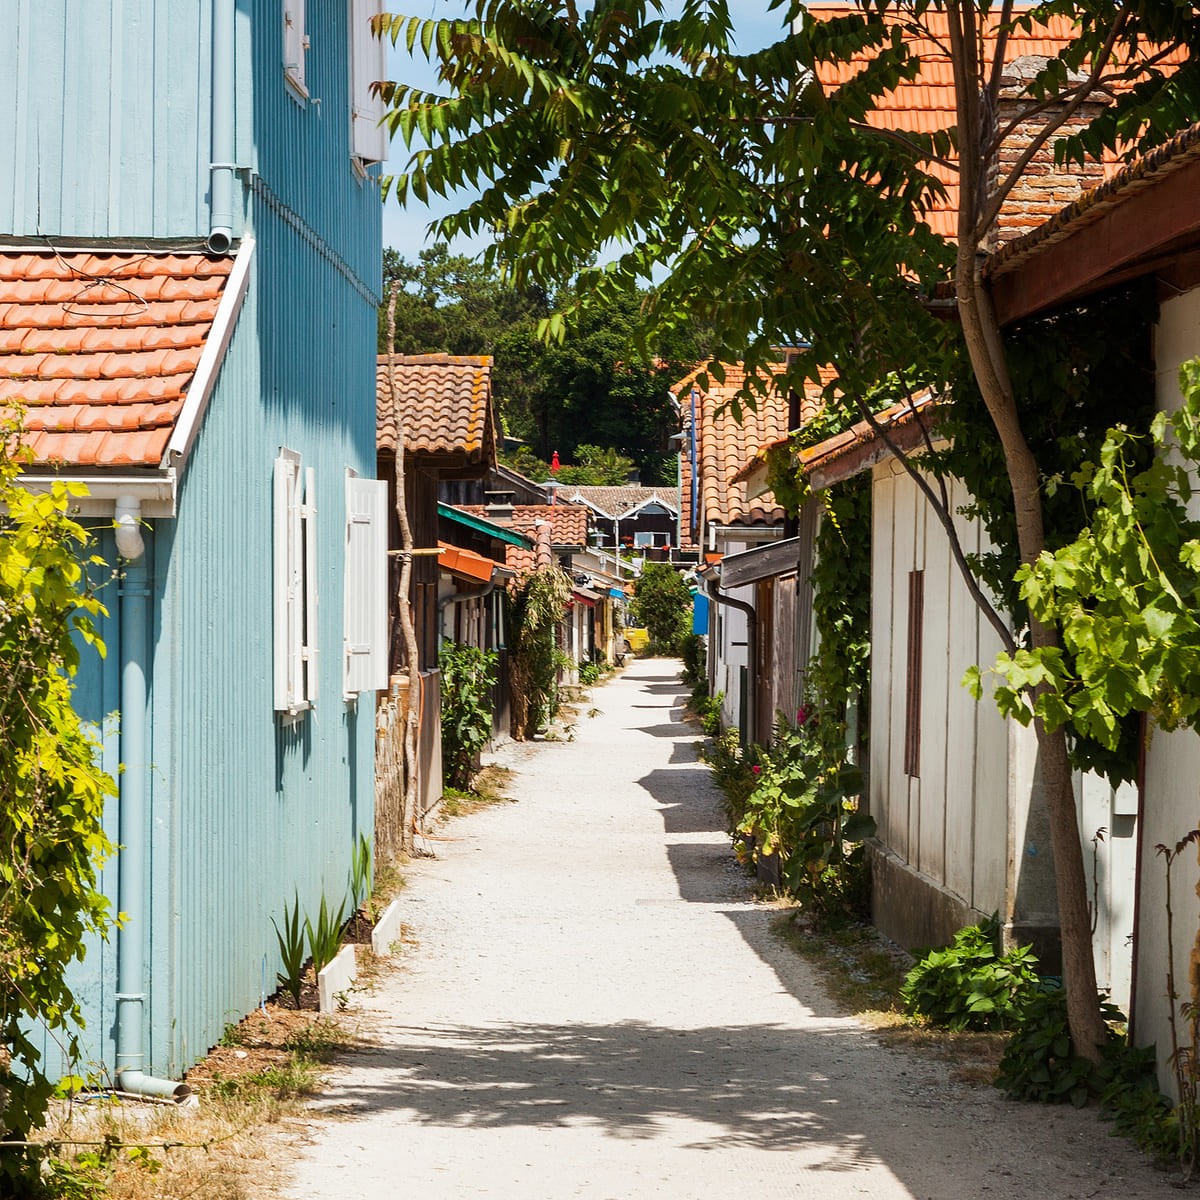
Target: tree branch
[940,503]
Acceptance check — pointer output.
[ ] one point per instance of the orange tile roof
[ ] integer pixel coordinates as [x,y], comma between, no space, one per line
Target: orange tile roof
[927,105]
[447,405]
[724,444]
[100,348]
[568,522]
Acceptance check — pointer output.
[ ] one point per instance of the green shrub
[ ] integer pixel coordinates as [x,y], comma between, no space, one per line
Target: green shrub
[694,651]
[590,671]
[663,605]
[468,675]
[970,984]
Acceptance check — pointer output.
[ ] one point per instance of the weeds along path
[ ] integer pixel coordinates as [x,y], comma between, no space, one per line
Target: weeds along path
[595,1007]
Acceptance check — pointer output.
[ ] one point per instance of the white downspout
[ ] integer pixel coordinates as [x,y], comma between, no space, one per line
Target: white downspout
[131,862]
[222,166]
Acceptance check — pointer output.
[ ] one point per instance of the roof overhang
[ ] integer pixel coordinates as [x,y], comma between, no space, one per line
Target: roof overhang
[1145,220]
[763,562]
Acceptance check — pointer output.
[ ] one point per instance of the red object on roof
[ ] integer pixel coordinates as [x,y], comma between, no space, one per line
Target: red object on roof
[100,349]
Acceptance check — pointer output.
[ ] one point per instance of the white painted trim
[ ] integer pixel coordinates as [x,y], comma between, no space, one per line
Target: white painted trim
[195,403]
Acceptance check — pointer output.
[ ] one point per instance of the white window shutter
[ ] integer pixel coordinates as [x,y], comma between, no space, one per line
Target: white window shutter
[287,594]
[368,64]
[365,586]
[308,518]
[295,41]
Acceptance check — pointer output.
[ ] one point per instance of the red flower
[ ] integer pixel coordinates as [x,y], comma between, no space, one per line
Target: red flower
[802,714]
[756,769]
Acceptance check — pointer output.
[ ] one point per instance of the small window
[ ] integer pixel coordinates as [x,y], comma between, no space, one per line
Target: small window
[912,689]
[365,611]
[295,44]
[368,65]
[644,539]
[295,585]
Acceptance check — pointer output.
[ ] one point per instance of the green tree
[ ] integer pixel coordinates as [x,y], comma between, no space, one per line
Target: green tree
[743,193]
[662,604]
[52,792]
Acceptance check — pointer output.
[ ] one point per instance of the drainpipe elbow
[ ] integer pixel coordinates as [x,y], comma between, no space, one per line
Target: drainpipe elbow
[127,521]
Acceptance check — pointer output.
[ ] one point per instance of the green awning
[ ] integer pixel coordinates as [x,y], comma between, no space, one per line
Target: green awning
[502,533]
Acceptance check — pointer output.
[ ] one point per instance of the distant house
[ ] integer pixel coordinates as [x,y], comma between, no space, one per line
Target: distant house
[633,517]
[719,517]
[188,300]
[440,407]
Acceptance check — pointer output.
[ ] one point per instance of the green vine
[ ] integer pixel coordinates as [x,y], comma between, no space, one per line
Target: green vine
[467,677]
[535,606]
[1125,592]
[839,673]
[52,792]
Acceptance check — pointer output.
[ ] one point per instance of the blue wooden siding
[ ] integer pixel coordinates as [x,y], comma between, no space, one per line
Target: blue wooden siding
[244,812]
[107,114]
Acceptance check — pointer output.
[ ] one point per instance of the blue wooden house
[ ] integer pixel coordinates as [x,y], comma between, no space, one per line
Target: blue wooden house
[189,279]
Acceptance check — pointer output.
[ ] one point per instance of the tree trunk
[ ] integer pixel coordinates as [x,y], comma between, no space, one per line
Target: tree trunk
[408,812]
[985,346]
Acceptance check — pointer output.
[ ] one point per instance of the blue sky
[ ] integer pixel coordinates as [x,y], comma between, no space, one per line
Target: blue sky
[404,228]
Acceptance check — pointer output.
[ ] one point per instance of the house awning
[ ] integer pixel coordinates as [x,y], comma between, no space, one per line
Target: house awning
[501,533]
[466,564]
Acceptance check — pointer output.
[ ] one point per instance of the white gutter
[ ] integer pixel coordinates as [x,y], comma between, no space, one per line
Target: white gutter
[154,492]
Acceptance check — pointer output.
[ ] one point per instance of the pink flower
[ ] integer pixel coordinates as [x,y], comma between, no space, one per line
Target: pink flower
[756,769]
[802,714]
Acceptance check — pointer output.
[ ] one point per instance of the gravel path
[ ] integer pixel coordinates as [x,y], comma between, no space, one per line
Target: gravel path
[595,1008]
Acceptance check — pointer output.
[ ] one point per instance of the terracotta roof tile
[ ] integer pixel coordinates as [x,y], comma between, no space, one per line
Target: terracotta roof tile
[724,444]
[446,402]
[101,348]
[568,522]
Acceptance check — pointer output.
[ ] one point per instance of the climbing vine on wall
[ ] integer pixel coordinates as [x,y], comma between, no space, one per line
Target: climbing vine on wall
[1076,374]
[535,606]
[51,790]
[839,673]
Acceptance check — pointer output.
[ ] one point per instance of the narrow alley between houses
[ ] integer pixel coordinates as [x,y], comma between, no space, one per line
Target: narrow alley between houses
[594,1005]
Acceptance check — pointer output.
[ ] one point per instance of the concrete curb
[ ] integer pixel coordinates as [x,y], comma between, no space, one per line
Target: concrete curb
[386,931]
[337,977]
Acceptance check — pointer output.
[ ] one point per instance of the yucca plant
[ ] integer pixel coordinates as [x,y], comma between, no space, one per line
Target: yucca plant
[291,950]
[325,937]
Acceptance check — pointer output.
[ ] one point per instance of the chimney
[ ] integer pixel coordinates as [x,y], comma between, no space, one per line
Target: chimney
[498,505]
[1044,187]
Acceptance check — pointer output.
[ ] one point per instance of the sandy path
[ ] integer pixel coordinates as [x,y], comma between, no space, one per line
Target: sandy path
[596,1009]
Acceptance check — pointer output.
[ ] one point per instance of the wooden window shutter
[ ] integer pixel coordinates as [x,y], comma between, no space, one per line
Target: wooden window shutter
[368,65]
[308,520]
[366,591]
[295,43]
[288,583]
[912,690]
